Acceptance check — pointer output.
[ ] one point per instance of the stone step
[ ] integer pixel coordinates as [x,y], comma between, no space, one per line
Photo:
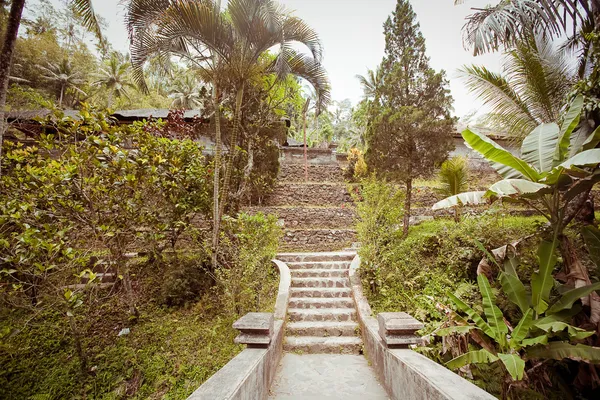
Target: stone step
[322,314]
[320,265]
[320,282]
[298,194]
[321,302]
[320,292]
[316,173]
[322,329]
[318,238]
[319,273]
[316,344]
[317,256]
[311,217]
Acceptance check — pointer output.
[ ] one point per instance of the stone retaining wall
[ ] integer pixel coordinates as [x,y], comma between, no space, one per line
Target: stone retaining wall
[289,194]
[311,217]
[317,240]
[407,374]
[316,173]
[295,155]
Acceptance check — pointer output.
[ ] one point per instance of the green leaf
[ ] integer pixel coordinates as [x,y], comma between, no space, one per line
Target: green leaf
[481,324]
[562,350]
[542,281]
[493,152]
[592,140]
[522,329]
[514,365]
[559,326]
[473,357]
[518,187]
[455,329]
[583,159]
[493,314]
[542,339]
[571,296]
[570,122]
[515,291]
[467,198]
[539,146]
[591,236]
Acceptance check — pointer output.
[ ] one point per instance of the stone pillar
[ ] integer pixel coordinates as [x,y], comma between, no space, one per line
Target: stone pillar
[397,329]
[256,330]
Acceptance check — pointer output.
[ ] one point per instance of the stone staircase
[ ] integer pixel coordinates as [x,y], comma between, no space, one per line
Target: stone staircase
[321,311]
[317,214]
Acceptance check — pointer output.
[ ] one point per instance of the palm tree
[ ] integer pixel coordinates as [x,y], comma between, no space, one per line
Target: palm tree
[371,83]
[454,179]
[64,77]
[114,78]
[83,7]
[532,90]
[187,93]
[227,47]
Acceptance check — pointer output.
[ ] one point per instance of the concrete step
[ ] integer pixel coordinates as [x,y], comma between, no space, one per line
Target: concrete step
[322,329]
[322,314]
[320,292]
[320,265]
[316,344]
[322,302]
[321,282]
[316,173]
[317,256]
[319,273]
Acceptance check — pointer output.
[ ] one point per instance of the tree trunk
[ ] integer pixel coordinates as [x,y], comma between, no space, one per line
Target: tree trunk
[216,180]
[8,48]
[110,99]
[78,346]
[232,150]
[407,207]
[62,93]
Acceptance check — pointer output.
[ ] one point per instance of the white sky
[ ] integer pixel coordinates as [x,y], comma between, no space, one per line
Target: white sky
[352,35]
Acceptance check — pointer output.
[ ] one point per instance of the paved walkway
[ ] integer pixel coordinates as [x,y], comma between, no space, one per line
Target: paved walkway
[326,376]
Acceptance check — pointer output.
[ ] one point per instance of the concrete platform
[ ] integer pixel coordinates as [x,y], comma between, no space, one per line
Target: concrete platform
[325,376]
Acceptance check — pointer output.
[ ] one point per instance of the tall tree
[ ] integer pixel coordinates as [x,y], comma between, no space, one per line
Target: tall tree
[114,78]
[64,77]
[410,128]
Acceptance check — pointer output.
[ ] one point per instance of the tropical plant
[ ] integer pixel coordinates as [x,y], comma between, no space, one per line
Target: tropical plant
[533,89]
[64,77]
[371,83]
[187,93]
[543,332]
[454,179]
[114,78]
[226,46]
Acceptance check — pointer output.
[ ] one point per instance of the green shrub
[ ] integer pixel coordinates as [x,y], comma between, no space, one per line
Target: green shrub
[185,280]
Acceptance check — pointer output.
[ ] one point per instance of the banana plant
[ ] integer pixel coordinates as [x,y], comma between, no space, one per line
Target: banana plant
[543,331]
[557,164]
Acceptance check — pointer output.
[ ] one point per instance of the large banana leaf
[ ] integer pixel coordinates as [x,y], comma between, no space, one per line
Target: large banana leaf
[473,357]
[493,152]
[492,313]
[558,326]
[562,350]
[455,329]
[542,281]
[584,159]
[481,324]
[591,236]
[571,296]
[521,330]
[467,198]
[592,140]
[514,365]
[542,339]
[518,187]
[515,290]
[570,122]
[539,147]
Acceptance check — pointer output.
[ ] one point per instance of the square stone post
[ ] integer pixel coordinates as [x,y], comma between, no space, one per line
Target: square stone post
[256,330]
[397,329]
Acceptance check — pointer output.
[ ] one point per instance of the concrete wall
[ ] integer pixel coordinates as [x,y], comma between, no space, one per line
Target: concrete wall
[249,375]
[407,374]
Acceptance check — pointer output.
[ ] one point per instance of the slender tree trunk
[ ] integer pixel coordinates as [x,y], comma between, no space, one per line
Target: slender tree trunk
[407,207]
[78,346]
[233,149]
[62,92]
[305,154]
[110,99]
[216,178]
[8,48]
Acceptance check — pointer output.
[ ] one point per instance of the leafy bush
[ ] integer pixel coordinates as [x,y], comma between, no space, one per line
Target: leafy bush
[357,167]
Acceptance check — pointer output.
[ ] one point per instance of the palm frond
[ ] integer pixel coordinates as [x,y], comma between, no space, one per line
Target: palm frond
[85,10]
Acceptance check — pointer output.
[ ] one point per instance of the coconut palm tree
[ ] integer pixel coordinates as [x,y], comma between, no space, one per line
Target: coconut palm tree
[531,90]
[114,78]
[187,93]
[227,48]
[371,82]
[64,77]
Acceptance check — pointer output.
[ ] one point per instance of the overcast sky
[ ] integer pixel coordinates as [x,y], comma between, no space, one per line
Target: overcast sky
[352,34]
